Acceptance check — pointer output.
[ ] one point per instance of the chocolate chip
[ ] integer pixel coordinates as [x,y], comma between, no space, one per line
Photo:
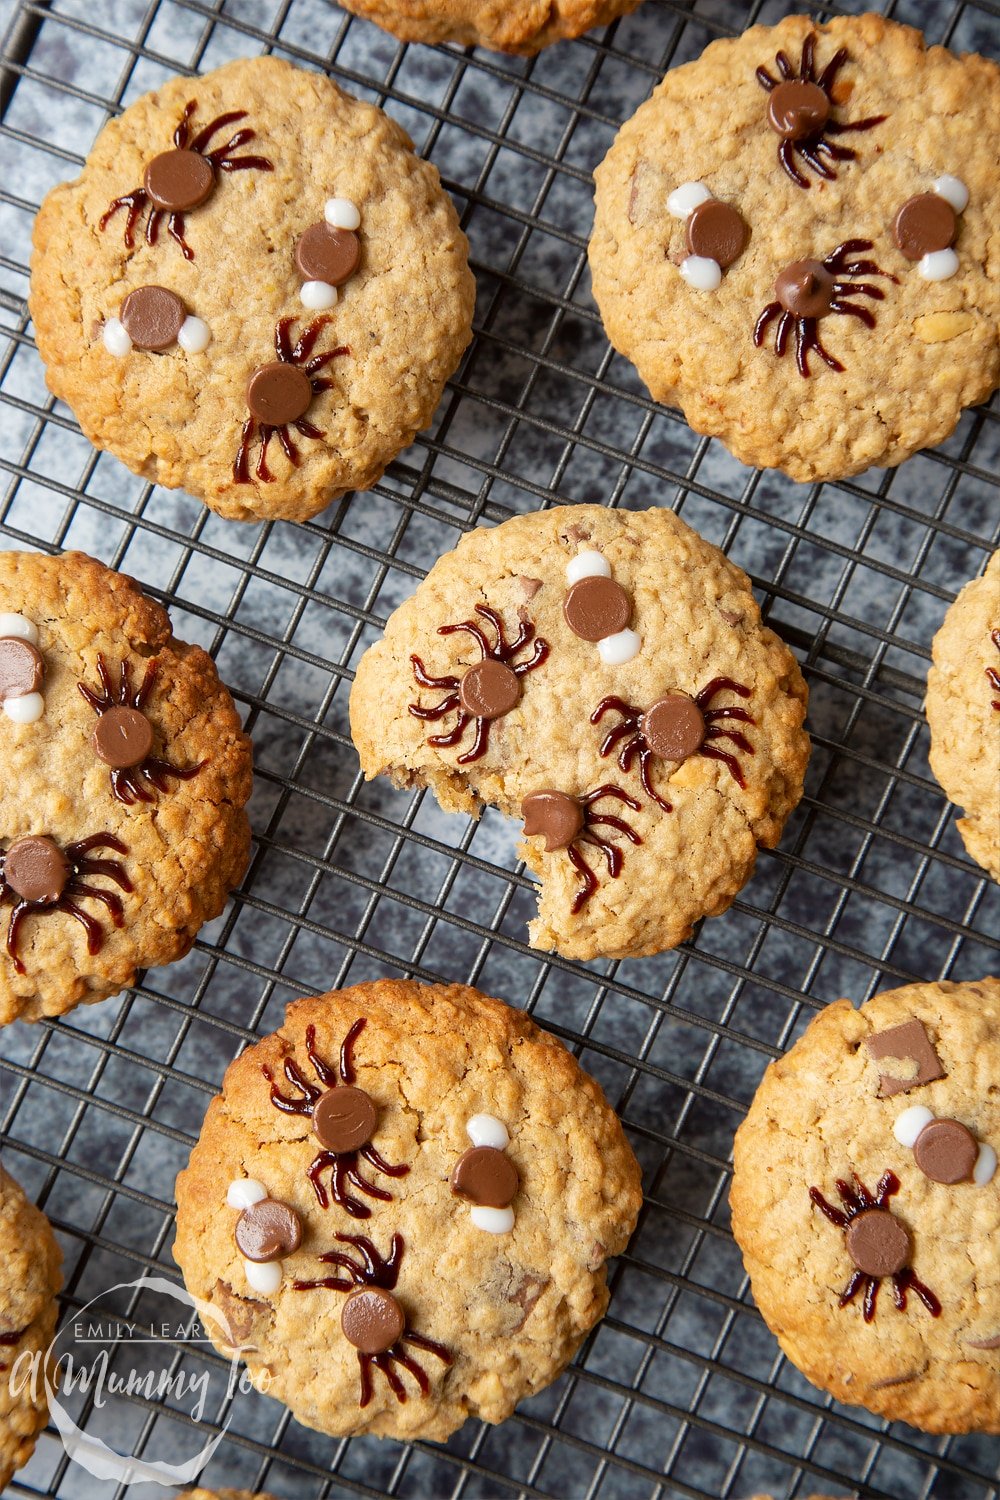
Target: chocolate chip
[717,231]
[278,393]
[993,1343]
[153,316]
[946,1151]
[489,690]
[344,1118]
[910,1045]
[674,727]
[924,224]
[327,254]
[529,586]
[21,668]
[597,607]
[556,815]
[122,737]
[268,1230]
[796,109]
[878,1243]
[486,1176]
[372,1320]
[36,869]
[179,180]
[805,289]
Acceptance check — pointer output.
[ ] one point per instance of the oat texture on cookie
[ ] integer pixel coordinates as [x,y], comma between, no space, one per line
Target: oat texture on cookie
[651,743]
[474,1277]
[846,178]
[518,26]
[29,1281]
[169,281]
[864,1201]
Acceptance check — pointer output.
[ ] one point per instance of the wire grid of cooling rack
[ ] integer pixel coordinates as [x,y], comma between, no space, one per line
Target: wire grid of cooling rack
[680,1391]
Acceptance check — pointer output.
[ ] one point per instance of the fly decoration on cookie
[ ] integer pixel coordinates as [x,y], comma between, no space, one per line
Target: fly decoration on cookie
[344,1118]
[878,1243]
[279,394]
[153,318]
[372,1319]
[42,877]
[180,180]
[799,110]
[716,233]
[944,1149]
[598,609]
[566,822]
[265,1232]
[486,1177]
[809,290]
[123,735]
[926,227]
[22,669]
[327,253]
[488,689]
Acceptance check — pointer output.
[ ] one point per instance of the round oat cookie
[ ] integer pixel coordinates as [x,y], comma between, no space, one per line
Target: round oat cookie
[521,26]
[402,1203]
[29,1280]
[254,290]
[634,712]
[963,711]
[865,1201]
[796,242]
[121,811]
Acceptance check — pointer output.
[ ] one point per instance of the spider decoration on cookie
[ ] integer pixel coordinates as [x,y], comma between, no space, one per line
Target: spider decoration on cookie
[177,181]
[343,1118]
[123,735]
[485,691]
[372,1319]
[280,393]
[798,110]
[674,728]
[567,822]
[808,290]
[992,674]
[877,1242]
[41,878]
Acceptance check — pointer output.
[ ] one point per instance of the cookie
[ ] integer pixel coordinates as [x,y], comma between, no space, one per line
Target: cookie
[963,711]
[29,1281]
[255,290]
[796,242]
[521,26]
[865,1202]
[401,1204]
[605,675]
[126,772]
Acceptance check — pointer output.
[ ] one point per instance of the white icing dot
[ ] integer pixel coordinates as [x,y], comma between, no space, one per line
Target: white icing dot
[25,710]
[263,1276]
[986,1165]
[487,1130]
[318,295]
[342,213]
[116,340]
[954,189]
[701,272]
[686,198]
[587,564]
[938,265]
[619,648]
[911,1122]
[194,336]
[493,1220]
[245,1192]
[17,625]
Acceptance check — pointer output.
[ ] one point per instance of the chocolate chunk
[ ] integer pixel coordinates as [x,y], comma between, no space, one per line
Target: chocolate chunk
[597,607]
[946,1151]
[372,1320]
[674,727]
[36,869]
[529,586]
[344,1118]
[797,109]
[718,231]
[556,815]
[909,1046]
[878,1243]
[21,667]
[924,224]
[489,690]
[327,254]
[993,1343]
[278,393]
[486,1176]
[179,180]
[153,316]
[805,289]
[122,736]
[268,1230]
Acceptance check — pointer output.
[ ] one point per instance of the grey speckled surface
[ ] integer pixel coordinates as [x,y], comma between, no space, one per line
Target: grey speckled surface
[681,1391]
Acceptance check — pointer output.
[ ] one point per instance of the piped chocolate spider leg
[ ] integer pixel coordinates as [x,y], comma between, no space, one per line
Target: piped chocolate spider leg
[213,127]
[307,340]
[175,229]
[90,925]
[589,886]
[468,627]
[288,447]
[833,67]
[371,1155]
[536,658]
[262,471]
[785,325]
[786,155]
[770,312]
[425,679]
[806,60]
[115,909]
[819,166]
[849,309]
[454,735]
[479,744]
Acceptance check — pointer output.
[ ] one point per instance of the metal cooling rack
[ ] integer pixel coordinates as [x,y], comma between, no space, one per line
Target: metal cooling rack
[680,1391]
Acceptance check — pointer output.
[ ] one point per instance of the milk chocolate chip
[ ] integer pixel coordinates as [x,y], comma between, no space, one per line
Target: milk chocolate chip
[344,1118]
[924,224]
[805,289]
[674,727]
[556,815]
[268,1230]
[946,1151]
[122,736]
[486,1176]
[153,317]
[372,1320]
[178,180]
[489,690]
[597,607]
[878,1243]
[910,1047]
[36,869]
[21,667]
[717,231]
[327,254]
[797,109]
[278,393]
